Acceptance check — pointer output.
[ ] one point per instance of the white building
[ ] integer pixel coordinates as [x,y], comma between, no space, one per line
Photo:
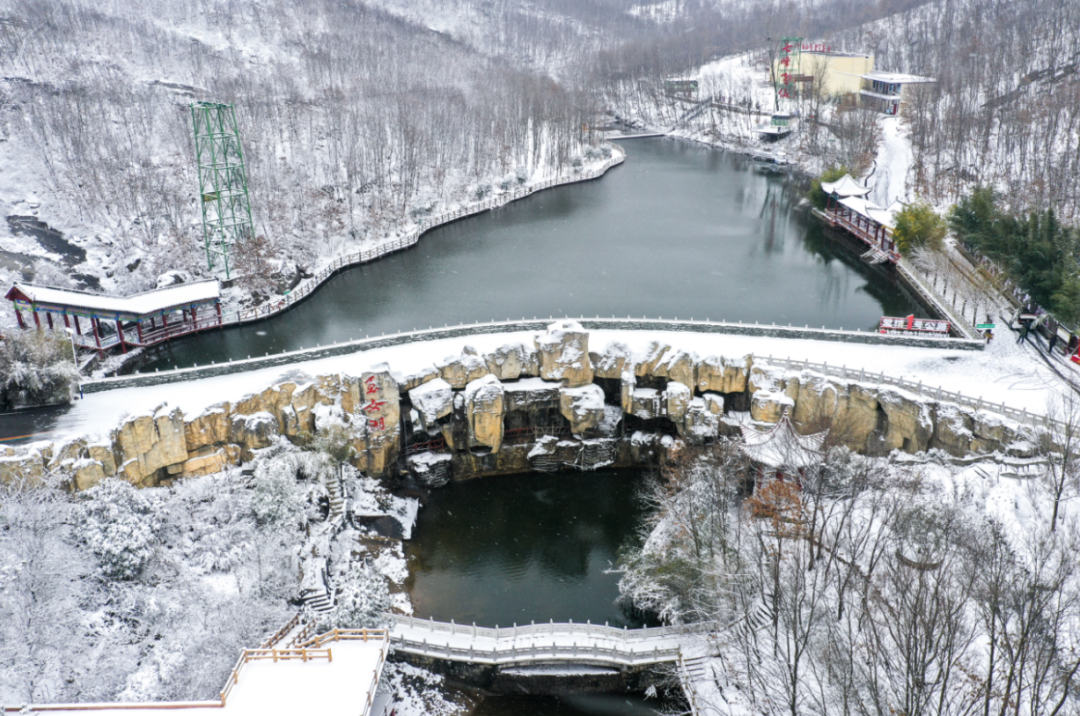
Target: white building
[887,91]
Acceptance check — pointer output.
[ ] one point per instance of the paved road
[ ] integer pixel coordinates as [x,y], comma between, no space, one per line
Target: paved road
[24,425]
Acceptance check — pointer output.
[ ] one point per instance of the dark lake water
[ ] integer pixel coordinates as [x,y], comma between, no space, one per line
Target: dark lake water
[521,548]
[570,705]
[678,230]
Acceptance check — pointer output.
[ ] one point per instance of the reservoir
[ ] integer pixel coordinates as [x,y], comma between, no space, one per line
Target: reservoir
[677,231]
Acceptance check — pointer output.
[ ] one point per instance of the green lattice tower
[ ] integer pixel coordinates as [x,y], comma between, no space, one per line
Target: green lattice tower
[223,189]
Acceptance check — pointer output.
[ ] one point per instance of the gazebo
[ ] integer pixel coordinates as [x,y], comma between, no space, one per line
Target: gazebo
[103,322]
[780,451]
[848,208]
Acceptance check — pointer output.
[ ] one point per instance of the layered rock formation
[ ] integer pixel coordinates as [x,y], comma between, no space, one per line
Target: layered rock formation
[543,405]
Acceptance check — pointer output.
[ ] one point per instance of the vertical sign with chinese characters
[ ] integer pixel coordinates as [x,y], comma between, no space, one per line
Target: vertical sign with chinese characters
[378,407]
[788,66]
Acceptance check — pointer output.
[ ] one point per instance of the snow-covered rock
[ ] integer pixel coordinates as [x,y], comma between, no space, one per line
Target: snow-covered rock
[484,407]
[459,370]
[432,469]
[583,407]
[564,354]
[432,400]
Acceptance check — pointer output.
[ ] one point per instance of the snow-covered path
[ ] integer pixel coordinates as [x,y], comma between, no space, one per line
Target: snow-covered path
[1003,373]
[892,164]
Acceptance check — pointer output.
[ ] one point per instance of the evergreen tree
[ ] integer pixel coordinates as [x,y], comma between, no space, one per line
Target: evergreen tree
[817,195]
[362,599]
[918,225]
[119,528]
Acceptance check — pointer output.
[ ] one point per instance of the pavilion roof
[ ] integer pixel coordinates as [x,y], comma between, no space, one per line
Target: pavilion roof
[885,217]
[781,446]
[140,304]
[844,186]
[860,205]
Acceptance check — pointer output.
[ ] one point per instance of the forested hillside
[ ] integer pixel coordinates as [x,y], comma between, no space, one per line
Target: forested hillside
[1004,109]
[352,120]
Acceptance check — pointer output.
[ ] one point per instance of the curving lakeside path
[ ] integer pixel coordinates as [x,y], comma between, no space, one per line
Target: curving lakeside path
[678,230]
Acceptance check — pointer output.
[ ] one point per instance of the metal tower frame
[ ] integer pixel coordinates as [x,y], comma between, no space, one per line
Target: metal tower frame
[223,187]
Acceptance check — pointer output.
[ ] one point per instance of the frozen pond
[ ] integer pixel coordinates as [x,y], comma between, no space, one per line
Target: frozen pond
[678,230]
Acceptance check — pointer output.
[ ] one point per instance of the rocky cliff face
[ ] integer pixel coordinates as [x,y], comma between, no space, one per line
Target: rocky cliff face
[541,406]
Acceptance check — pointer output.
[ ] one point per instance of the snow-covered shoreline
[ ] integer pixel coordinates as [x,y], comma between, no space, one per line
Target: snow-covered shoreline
[409,237]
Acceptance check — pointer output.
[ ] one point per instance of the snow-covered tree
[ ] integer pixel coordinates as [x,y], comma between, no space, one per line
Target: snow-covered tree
[36,368]
[40,618]
[120,528]
[362,599]
[277,500]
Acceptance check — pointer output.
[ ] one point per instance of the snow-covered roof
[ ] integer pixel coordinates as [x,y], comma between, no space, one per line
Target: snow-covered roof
[860,205]
[896,78]
[885,217]
[140,304]
[781,446]
[844,186]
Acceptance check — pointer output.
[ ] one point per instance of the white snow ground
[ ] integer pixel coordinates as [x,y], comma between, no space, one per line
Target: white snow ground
[1003,373]
[888,182]
[328,688]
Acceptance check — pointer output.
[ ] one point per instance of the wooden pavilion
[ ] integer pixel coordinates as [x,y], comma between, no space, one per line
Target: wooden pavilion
[780,451]
[848,208]
[101,322]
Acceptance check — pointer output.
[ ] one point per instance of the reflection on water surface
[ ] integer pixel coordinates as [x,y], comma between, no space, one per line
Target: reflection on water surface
[523,548]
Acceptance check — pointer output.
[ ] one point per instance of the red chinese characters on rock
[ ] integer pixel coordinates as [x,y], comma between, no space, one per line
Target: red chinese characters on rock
[373,407]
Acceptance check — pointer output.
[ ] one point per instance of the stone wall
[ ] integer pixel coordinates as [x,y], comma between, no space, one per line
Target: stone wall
[548,403]
[508,326]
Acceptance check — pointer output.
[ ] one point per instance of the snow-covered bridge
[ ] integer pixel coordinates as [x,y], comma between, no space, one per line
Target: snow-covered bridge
[552,643]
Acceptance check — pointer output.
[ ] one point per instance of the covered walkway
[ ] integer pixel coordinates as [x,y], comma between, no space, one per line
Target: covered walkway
[101,322]
[848,208]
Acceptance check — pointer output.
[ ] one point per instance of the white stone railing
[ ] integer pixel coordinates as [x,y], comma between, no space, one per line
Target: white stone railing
[541,643]
[534,654]
[551,629]
[917,388]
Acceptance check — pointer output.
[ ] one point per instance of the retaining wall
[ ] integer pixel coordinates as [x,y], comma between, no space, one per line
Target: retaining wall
[493,327]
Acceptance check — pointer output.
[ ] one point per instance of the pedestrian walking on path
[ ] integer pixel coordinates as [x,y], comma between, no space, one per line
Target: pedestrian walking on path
[1024,327]
[1053,342]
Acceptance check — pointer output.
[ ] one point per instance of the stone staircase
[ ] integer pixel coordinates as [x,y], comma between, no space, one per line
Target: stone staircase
[317,591]
[754,620]
[875,256]
[337,502]
[318,601]
[697,668]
